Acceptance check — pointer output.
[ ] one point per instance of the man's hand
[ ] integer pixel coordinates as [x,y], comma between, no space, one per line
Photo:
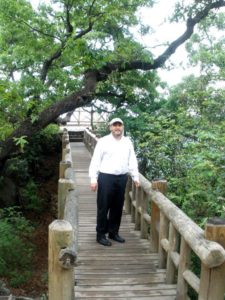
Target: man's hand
[137,183]
[94,186]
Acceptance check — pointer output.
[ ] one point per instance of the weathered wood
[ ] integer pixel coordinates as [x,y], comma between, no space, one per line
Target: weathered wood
[71,215]
[144,221]
[127,196]
[60,280]
[63,165]
[154,235]
[211,254]
[175,256]
[147,218]
[161,186]
[212,280]
[163,234]
[133,202]
[65,151]
[191,236]
[65,142]
[69,174]
[64,185]
[68,156]
[173,247]
[192,280]
[137,216]
[182,287]
[121,266]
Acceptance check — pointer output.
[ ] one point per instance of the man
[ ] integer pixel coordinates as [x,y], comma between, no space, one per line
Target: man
[112,160]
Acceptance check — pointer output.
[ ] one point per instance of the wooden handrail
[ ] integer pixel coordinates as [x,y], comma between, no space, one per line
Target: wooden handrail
[174,235]
[63,232]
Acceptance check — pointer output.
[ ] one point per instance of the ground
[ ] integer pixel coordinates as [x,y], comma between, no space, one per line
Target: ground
[38,284]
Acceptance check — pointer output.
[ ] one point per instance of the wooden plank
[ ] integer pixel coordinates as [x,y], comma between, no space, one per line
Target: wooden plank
[122,271]
[130,297]
[126,291]
[121,281]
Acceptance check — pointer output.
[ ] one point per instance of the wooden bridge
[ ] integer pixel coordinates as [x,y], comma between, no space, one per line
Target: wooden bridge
[153,263]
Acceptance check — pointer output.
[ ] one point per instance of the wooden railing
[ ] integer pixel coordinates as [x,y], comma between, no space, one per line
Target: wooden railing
[90,140]
[63,232]
[174,236]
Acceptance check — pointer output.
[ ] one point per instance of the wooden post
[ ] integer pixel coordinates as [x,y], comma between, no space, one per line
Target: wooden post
[133,199]
[161,186]
[127,196]
[154,225]
[137,212]
[144,224]
[182,286]
[62,168]
[173,246]
[60,280]
[212,280]
[63,186]
[163,234]
[65,142]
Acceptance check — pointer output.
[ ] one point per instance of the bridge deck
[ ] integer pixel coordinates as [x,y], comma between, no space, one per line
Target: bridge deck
[122,271]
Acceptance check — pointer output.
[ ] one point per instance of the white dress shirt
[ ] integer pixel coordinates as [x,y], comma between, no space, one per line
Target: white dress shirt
[113,156]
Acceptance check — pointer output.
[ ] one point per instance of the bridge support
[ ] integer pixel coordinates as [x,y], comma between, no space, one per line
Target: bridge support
[212,285]
[61,280]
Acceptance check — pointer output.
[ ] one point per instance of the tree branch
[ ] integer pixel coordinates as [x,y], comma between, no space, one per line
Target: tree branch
[40,31]
[48,62]
[69,29]
[158,62]
[91,77]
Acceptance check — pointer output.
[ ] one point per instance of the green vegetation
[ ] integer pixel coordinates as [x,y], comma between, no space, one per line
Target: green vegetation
[15,249]
[26,174]
[182,140]
[70,54]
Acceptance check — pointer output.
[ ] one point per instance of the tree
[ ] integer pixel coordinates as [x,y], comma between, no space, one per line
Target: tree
[70,53]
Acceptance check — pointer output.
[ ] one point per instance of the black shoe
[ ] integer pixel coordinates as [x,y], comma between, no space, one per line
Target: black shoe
[116,238]
[103,241]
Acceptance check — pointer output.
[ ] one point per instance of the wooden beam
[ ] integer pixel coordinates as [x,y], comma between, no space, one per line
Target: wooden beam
[212,280]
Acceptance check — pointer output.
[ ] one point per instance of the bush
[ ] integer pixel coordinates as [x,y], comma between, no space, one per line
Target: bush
[15,248]
[29,197]
[18,169]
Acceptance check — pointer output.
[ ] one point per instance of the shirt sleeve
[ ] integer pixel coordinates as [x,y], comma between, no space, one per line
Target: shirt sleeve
[95,163]
[133,164]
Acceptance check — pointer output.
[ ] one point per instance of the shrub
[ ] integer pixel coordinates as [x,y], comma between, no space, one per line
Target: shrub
[15,249]
[29,197]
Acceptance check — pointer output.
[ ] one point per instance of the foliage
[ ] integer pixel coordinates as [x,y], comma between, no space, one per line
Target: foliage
[17,168]
[45,51]
[181,138]
[29,197]
[21,142]
[183,141]
[15,249]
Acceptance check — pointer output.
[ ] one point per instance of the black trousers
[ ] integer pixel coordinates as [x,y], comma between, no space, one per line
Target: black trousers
[110,200]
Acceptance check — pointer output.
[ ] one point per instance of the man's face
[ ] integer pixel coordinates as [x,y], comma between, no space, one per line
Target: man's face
[117,129]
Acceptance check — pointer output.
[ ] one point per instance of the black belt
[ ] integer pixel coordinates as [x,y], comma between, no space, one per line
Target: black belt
[117,175]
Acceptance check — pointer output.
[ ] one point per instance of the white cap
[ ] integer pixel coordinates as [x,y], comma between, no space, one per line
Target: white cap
[115,120]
